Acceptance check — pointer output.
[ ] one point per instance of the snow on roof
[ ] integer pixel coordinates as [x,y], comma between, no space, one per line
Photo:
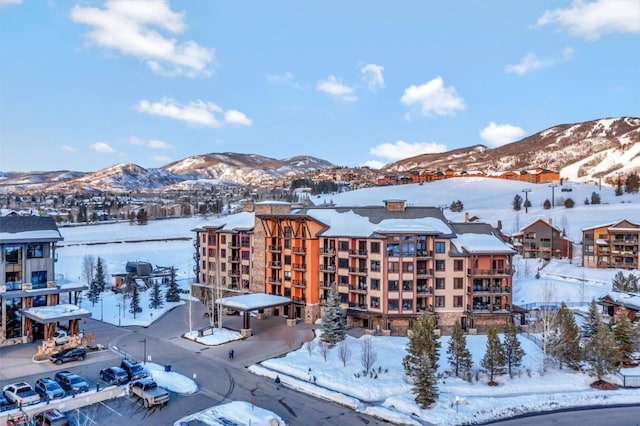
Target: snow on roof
[233,222]
[628,300]
[41,235]
[56,313]
[480,243]
[253,301]
[352,224]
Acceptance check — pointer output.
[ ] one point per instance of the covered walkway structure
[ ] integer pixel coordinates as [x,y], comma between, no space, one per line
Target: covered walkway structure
[252,302]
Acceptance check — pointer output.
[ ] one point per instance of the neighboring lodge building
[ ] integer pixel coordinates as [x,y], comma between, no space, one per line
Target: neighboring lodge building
[612,245]
[538,175]
[388,263]
[30,299]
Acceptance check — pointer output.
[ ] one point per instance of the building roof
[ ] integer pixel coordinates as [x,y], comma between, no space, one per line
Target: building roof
[628,300]
[25,229]
[478,238]
[55,313]
[253,301]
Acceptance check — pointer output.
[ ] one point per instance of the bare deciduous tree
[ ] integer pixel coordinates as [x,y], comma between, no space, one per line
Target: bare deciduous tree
[548,322]
[88,268]
[311,345]
[289,336]
[344,352]
[368,356]
[323,347]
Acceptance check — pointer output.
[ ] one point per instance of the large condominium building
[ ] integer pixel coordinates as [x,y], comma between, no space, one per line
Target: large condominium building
[612,245]
[30,298]
[388,263]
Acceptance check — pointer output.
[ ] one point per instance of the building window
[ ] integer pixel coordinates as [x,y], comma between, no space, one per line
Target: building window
[375,247]
[12,254]
[407,266]
[39,301]
[287,275]
[407,285]
[13,280]
[375,265]
[393,249]
[375,284]
[39,279]
[343,263]
[407,304]
[343,245]
[440,247]
[246,255]
[393,267]
[392,304]
[375,302]
[287,259]
[458,265]
[439,301]
[223,239]
[439,283]
[393,285]
[343,279]
[14,318]
[35,251]
[457,301]
[223,267]
[408,249]
[440,265]
[458,283]
[223,253]
[344,298]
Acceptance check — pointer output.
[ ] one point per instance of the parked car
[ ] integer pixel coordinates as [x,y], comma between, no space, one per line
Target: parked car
[48,388]
[51,417]
[71,382]
[20,393]
[3,402]
[134,369]
[61,336]
[114,376]
[148,390]
[71,354]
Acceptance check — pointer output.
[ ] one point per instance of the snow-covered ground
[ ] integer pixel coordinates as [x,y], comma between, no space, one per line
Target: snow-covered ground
[490,200]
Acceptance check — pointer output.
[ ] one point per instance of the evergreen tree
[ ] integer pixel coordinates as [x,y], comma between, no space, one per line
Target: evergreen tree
[456,206]
[156,296]
[134,306]
[632,284]
[173,295]
[517,203]
[513,352]
[591,322]
[547,204]
[333,324]
[564,344]
[618,191]
[458,354]
[93,294]
[425,386]
[100,276]
[632,183]
[493,360]
[423,341]
[601,354]
[527,203]
[595,198]
[569,203]
[625,337]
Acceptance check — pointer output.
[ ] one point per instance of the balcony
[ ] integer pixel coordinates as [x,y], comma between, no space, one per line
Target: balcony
[424,253]
[234,245]
[327,252]
[490,272]
[234,259]
[424,272]
[327,268]
[358,288]
[274,281]
[358,271]
[487,308]
[234,273]
[424,290]
[358,253]
[299,283]
[326,285]
[299,267]
[275,264]
[361,306]
[298,250]
[275,248]
[343,284]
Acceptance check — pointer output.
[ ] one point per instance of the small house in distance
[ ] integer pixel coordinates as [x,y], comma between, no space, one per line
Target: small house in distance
[144,274]
[542,240]
[613,301]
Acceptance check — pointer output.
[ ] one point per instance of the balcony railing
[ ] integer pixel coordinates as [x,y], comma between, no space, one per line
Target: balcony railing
[235,259]
[299,267]
[423,272]
[298,250]
[354,305]
[328,252]
[234,244]
[358,253]
[357,288]
[326,284]
[359,271]
[424,253]
[327,268]
[275,264]
[275,248]
[299,283]
[274,281]
[480,307]
[489,272]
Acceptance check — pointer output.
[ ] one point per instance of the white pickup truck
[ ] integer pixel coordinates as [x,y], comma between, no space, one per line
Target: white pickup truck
[20,394]
[61,336]
[149,391]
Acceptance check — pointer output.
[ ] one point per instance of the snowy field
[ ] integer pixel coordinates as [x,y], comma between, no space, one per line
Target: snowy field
[389,396]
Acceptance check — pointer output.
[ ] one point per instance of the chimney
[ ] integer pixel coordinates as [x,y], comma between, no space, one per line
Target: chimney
[466,217]
[550,222]
[499,225]
[394,205]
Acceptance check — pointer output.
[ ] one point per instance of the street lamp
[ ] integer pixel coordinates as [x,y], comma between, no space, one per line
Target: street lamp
[118,305]
[526,199]
[553,187]
[145,349]
[101,308]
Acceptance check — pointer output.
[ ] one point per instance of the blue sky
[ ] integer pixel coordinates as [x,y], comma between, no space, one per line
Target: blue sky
[88,84]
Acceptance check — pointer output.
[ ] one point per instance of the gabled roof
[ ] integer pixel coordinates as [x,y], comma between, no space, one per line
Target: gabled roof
[541,222]
[619,298]
[25,229]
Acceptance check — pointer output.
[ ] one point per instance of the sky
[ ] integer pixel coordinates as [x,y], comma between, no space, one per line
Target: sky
[88,84]
[389,396]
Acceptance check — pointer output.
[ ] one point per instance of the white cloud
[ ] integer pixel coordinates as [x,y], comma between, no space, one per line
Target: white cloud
[236,117]
[133,28]
[9,2]
[401,149]
[591,20]
[102,147]
[433,97]
[334,87]
[285,79]
[372,76]
[67,148]
[500,134]
[160,158]
[531,62]
[374,164]
[154,143]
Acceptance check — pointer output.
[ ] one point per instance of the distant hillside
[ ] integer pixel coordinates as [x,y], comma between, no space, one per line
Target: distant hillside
[581,152]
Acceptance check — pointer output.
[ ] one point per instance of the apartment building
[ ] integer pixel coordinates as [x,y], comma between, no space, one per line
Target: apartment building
[388,263]
[613,245]
[541,240]
[30,297]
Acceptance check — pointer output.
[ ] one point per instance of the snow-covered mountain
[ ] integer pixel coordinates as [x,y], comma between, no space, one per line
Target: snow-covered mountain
[584,151]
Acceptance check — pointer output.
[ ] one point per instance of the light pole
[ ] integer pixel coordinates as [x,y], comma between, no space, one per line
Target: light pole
[553,187]
[118,305]
[101,308]
[526,199]
[457,403]
[145,349]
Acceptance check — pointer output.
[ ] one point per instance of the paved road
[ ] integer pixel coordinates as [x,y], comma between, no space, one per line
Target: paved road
[219,379]
[618,416]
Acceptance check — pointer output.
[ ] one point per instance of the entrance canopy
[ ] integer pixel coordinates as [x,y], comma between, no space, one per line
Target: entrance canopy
[253,301]
[56,313]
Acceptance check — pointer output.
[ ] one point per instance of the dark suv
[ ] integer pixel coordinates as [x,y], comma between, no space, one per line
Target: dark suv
[114,376]
[133,368]
[71,382]
[73,354]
